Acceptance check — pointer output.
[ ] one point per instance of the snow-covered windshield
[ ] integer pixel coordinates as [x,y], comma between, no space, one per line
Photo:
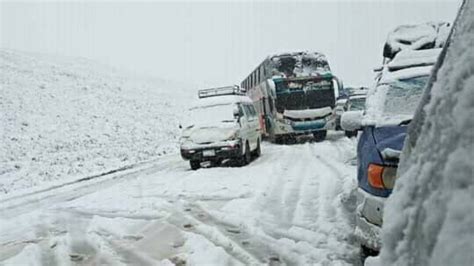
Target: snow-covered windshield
[357,104]
[394,102]
[216,115]
[403,96]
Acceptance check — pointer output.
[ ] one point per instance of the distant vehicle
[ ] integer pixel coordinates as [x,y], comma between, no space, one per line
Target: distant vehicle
[339,110]
[294,94]
[223,125]
[355,103]
[389,108]
[342,102]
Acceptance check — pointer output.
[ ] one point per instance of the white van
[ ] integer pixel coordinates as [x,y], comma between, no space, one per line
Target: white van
[222,125]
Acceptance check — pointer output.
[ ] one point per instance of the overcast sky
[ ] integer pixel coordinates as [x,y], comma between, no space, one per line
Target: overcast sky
[212,44]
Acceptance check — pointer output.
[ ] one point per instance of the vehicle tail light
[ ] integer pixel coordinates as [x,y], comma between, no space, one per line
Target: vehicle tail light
[382,177]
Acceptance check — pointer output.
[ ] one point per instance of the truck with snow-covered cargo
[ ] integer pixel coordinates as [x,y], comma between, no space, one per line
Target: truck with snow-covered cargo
[294,94]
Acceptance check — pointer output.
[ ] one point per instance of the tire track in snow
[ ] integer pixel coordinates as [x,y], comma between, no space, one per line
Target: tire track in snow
[295,188]
[208,230]
[69,191]
[333,220]
[264,248]
[285,188]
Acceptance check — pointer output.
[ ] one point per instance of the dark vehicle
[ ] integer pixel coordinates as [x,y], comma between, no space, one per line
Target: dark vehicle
[294,93]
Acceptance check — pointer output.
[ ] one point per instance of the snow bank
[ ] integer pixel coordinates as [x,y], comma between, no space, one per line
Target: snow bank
[429,219]
[66,118]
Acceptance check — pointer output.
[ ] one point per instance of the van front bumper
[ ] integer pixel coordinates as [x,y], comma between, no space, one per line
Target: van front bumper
[369,214]
[212,152]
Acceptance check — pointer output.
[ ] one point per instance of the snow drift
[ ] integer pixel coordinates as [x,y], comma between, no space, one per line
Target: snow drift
[429,219]
[69,117]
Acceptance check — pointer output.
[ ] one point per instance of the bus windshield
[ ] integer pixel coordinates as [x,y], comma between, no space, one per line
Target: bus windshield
[304,94]
[305,85]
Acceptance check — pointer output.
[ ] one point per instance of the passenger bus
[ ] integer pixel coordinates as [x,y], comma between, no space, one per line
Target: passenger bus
[295,94]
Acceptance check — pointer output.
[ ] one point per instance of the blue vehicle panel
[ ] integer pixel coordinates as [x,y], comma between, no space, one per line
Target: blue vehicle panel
[372,142]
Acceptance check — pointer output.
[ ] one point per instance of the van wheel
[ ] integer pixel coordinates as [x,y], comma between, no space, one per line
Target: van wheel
[247,157]
[257,152]
[366,252]
[216,163]
[195,164]
[320,135]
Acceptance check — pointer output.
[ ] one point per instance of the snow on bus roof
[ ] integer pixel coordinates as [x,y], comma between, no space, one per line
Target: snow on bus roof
[299,53]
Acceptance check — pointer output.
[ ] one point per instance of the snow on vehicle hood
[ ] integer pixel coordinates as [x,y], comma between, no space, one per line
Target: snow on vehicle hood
[309,113]
[206,135]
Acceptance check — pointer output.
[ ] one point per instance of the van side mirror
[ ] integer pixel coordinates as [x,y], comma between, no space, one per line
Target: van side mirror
[351,120]
[340,86]
[237,114]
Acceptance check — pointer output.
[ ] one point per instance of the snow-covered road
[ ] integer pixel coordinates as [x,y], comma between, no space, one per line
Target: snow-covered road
[291,206]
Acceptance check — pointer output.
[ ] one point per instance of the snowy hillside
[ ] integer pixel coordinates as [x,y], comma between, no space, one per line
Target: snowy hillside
[70,118]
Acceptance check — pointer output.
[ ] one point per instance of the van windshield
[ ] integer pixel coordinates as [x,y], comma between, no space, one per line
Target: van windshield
[404,95]
[217,115]
[357,104]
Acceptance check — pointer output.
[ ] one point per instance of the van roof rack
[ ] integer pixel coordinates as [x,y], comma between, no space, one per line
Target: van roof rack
[220,91]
